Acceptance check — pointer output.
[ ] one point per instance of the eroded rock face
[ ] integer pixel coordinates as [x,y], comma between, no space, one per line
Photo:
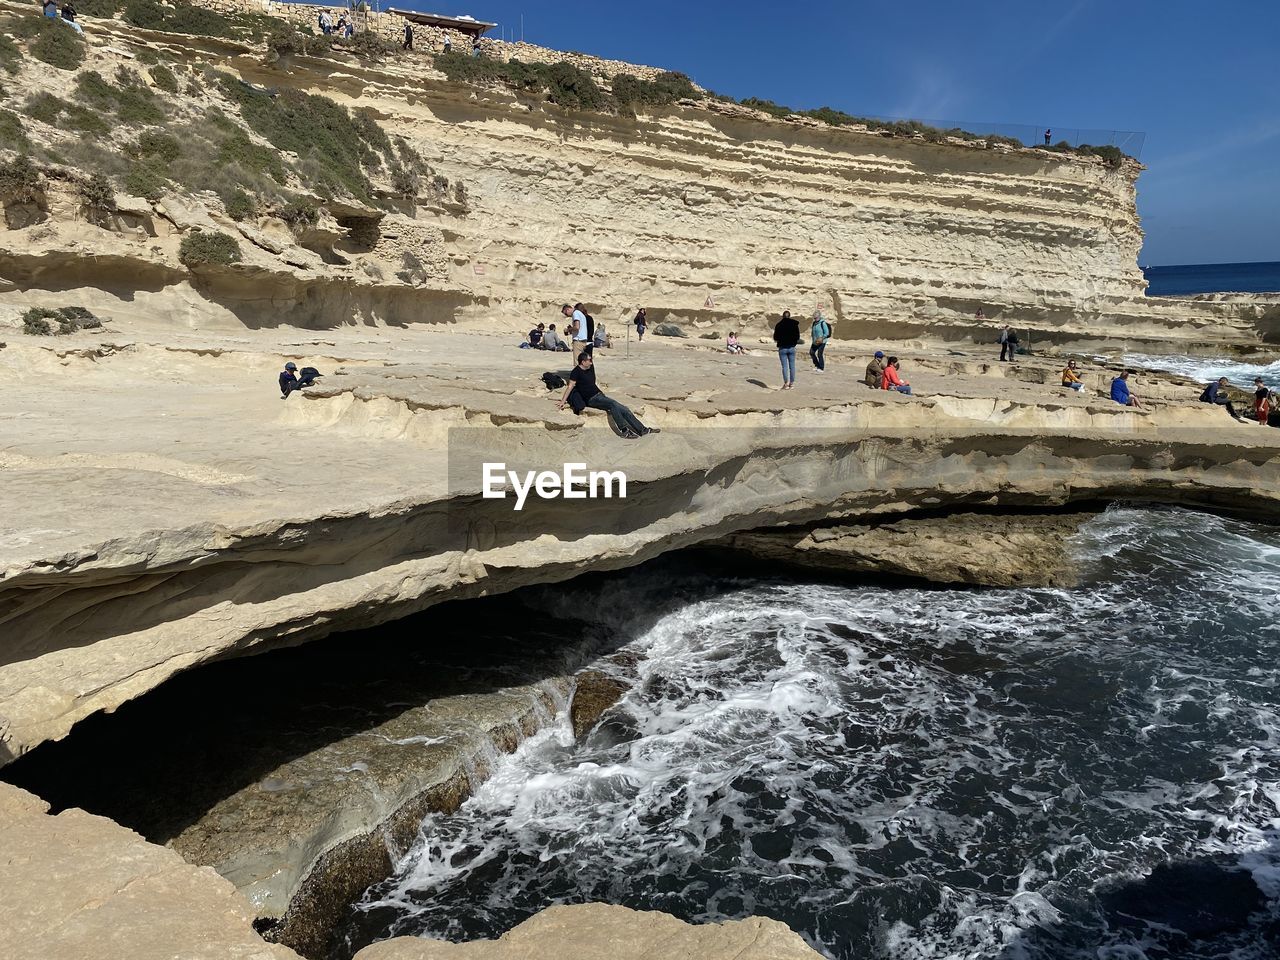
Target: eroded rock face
[1012,549]
[597,931]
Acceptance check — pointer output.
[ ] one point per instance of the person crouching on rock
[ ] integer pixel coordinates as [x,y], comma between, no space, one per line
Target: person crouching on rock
[875,371]
[289,380]
[1120,391]
[581,391]
[1216,392]
[891,379]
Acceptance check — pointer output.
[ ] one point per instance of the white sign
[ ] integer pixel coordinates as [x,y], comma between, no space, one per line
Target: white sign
[574,482]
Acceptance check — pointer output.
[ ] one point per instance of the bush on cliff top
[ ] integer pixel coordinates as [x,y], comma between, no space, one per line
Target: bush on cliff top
[561,82]
[55,43]
[664,89]
[103,9]
[181,17]
[204,249]
[12,136]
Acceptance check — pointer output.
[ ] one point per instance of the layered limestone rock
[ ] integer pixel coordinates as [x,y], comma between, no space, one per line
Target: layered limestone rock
[1002,550]
[597,931]
[704,212]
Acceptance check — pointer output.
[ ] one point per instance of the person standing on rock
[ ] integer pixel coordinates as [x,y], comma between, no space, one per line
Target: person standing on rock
[408,37]
[875,371]
[819,334]
[1261,400]
[582,387]
[578,330]
[1008,343]
[786,334]
[1048,136]
[641,321]
[1120,391]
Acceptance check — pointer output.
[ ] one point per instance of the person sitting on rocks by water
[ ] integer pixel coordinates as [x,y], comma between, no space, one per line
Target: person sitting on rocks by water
[581,392]
[875,371]
[1071,377]
[1261,400]
[1120,391]
[732,345]
[891,380]
[1216,392]
[786,334]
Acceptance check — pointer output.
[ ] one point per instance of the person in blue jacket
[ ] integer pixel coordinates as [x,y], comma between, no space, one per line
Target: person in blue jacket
[1120,391]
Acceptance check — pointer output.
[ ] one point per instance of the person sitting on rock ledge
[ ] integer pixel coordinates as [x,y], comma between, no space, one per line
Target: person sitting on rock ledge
[1120,391]
[551,340]
[1216,392]
[584,393]
[1071,377]
[875,371]
[289,380]
[891,379]
[535,336]
[732,345]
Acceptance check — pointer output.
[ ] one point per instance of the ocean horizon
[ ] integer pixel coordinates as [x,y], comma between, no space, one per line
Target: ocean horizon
[1194,278]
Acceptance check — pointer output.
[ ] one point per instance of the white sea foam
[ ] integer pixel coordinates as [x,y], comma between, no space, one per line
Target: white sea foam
[1204,369]
[958,780]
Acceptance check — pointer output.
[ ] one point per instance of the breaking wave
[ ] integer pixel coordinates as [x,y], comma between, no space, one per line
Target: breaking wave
[905,772]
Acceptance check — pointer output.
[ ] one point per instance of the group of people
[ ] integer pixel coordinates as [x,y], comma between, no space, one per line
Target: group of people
[786,335]
[581,330]
[345,26]
[1266,402]
[883,374]
[67,14]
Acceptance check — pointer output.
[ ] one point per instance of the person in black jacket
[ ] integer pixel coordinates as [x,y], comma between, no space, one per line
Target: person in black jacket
[786,334]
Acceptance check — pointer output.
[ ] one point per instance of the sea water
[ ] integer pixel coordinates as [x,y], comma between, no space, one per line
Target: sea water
[1193,278]
[905,772]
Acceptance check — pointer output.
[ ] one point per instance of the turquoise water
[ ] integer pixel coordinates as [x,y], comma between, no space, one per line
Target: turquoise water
[1193,278]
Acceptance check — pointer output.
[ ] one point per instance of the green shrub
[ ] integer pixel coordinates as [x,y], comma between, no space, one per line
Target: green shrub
[163,78]
[404,183]
[103,9]
[10,55]
[98,193]
[1113,156]
[299,213]
[322,133]
[12,136]
[561,82]
[36,322]
[57,45]
[146,180]
[203,249]
[664,89]
[460,193]
[284,40]
[161,146]
[135,103]
[239,205]
[20,181]
[440,184]
[94,90]
[364,44]
[238,149]
[574,88]
[44,107]
[182,17]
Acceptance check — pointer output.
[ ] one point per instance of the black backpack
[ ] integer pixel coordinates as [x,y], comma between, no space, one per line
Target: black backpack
[553,380]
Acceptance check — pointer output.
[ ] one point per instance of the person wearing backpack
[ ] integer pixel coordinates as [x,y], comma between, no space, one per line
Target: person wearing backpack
[819,334]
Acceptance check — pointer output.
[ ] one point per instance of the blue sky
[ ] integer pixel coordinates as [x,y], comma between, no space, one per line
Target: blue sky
[1200,79]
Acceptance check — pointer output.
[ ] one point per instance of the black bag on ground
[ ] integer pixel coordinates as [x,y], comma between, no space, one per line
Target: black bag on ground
[307,376]
[553,380]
